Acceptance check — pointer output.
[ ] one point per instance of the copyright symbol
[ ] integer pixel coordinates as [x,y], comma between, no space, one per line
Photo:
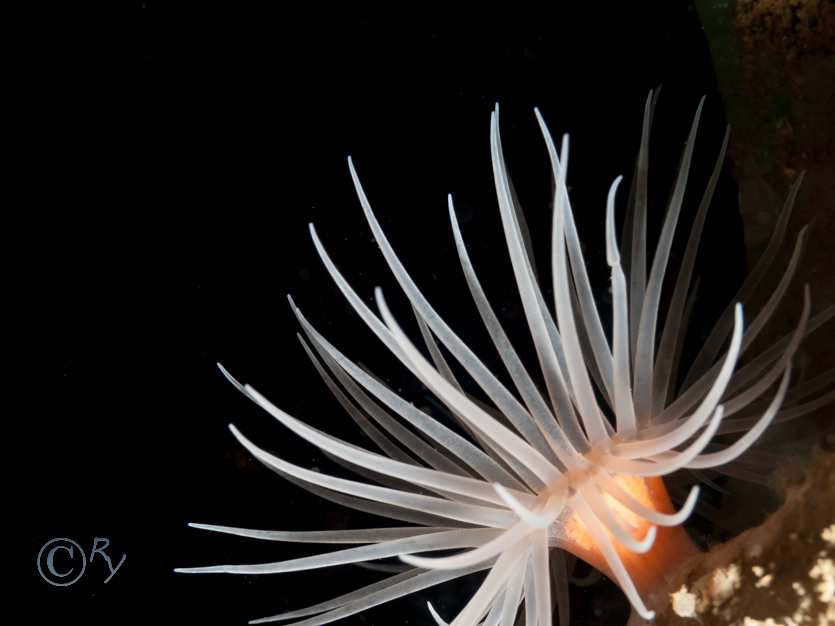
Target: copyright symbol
[59,559]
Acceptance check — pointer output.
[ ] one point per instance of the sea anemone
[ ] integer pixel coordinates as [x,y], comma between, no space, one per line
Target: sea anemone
[574,463]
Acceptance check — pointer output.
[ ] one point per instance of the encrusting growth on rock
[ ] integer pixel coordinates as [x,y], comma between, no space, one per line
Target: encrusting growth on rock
[781,573]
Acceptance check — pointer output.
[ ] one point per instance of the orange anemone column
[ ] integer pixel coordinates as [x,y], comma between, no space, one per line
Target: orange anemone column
[654,573]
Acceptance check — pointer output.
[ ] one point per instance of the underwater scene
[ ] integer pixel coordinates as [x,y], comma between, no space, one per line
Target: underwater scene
[430,316]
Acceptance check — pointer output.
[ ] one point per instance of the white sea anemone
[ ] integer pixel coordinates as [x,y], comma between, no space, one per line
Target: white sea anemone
[537,469]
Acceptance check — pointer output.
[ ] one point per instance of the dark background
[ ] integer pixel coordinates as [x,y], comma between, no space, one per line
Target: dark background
[169,178]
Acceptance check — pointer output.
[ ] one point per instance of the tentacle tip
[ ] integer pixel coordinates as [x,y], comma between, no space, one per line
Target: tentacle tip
[229,377]
[410,559]
[450,206]
[438,619]
[380,299]
[738,314]
[649,538]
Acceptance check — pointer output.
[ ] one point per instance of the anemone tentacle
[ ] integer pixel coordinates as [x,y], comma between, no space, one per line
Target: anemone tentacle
[537,469]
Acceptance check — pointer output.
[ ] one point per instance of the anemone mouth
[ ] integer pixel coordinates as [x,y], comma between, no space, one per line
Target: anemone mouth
[539,467]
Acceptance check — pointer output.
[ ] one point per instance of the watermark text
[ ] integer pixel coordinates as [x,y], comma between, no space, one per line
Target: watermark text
[62,561]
